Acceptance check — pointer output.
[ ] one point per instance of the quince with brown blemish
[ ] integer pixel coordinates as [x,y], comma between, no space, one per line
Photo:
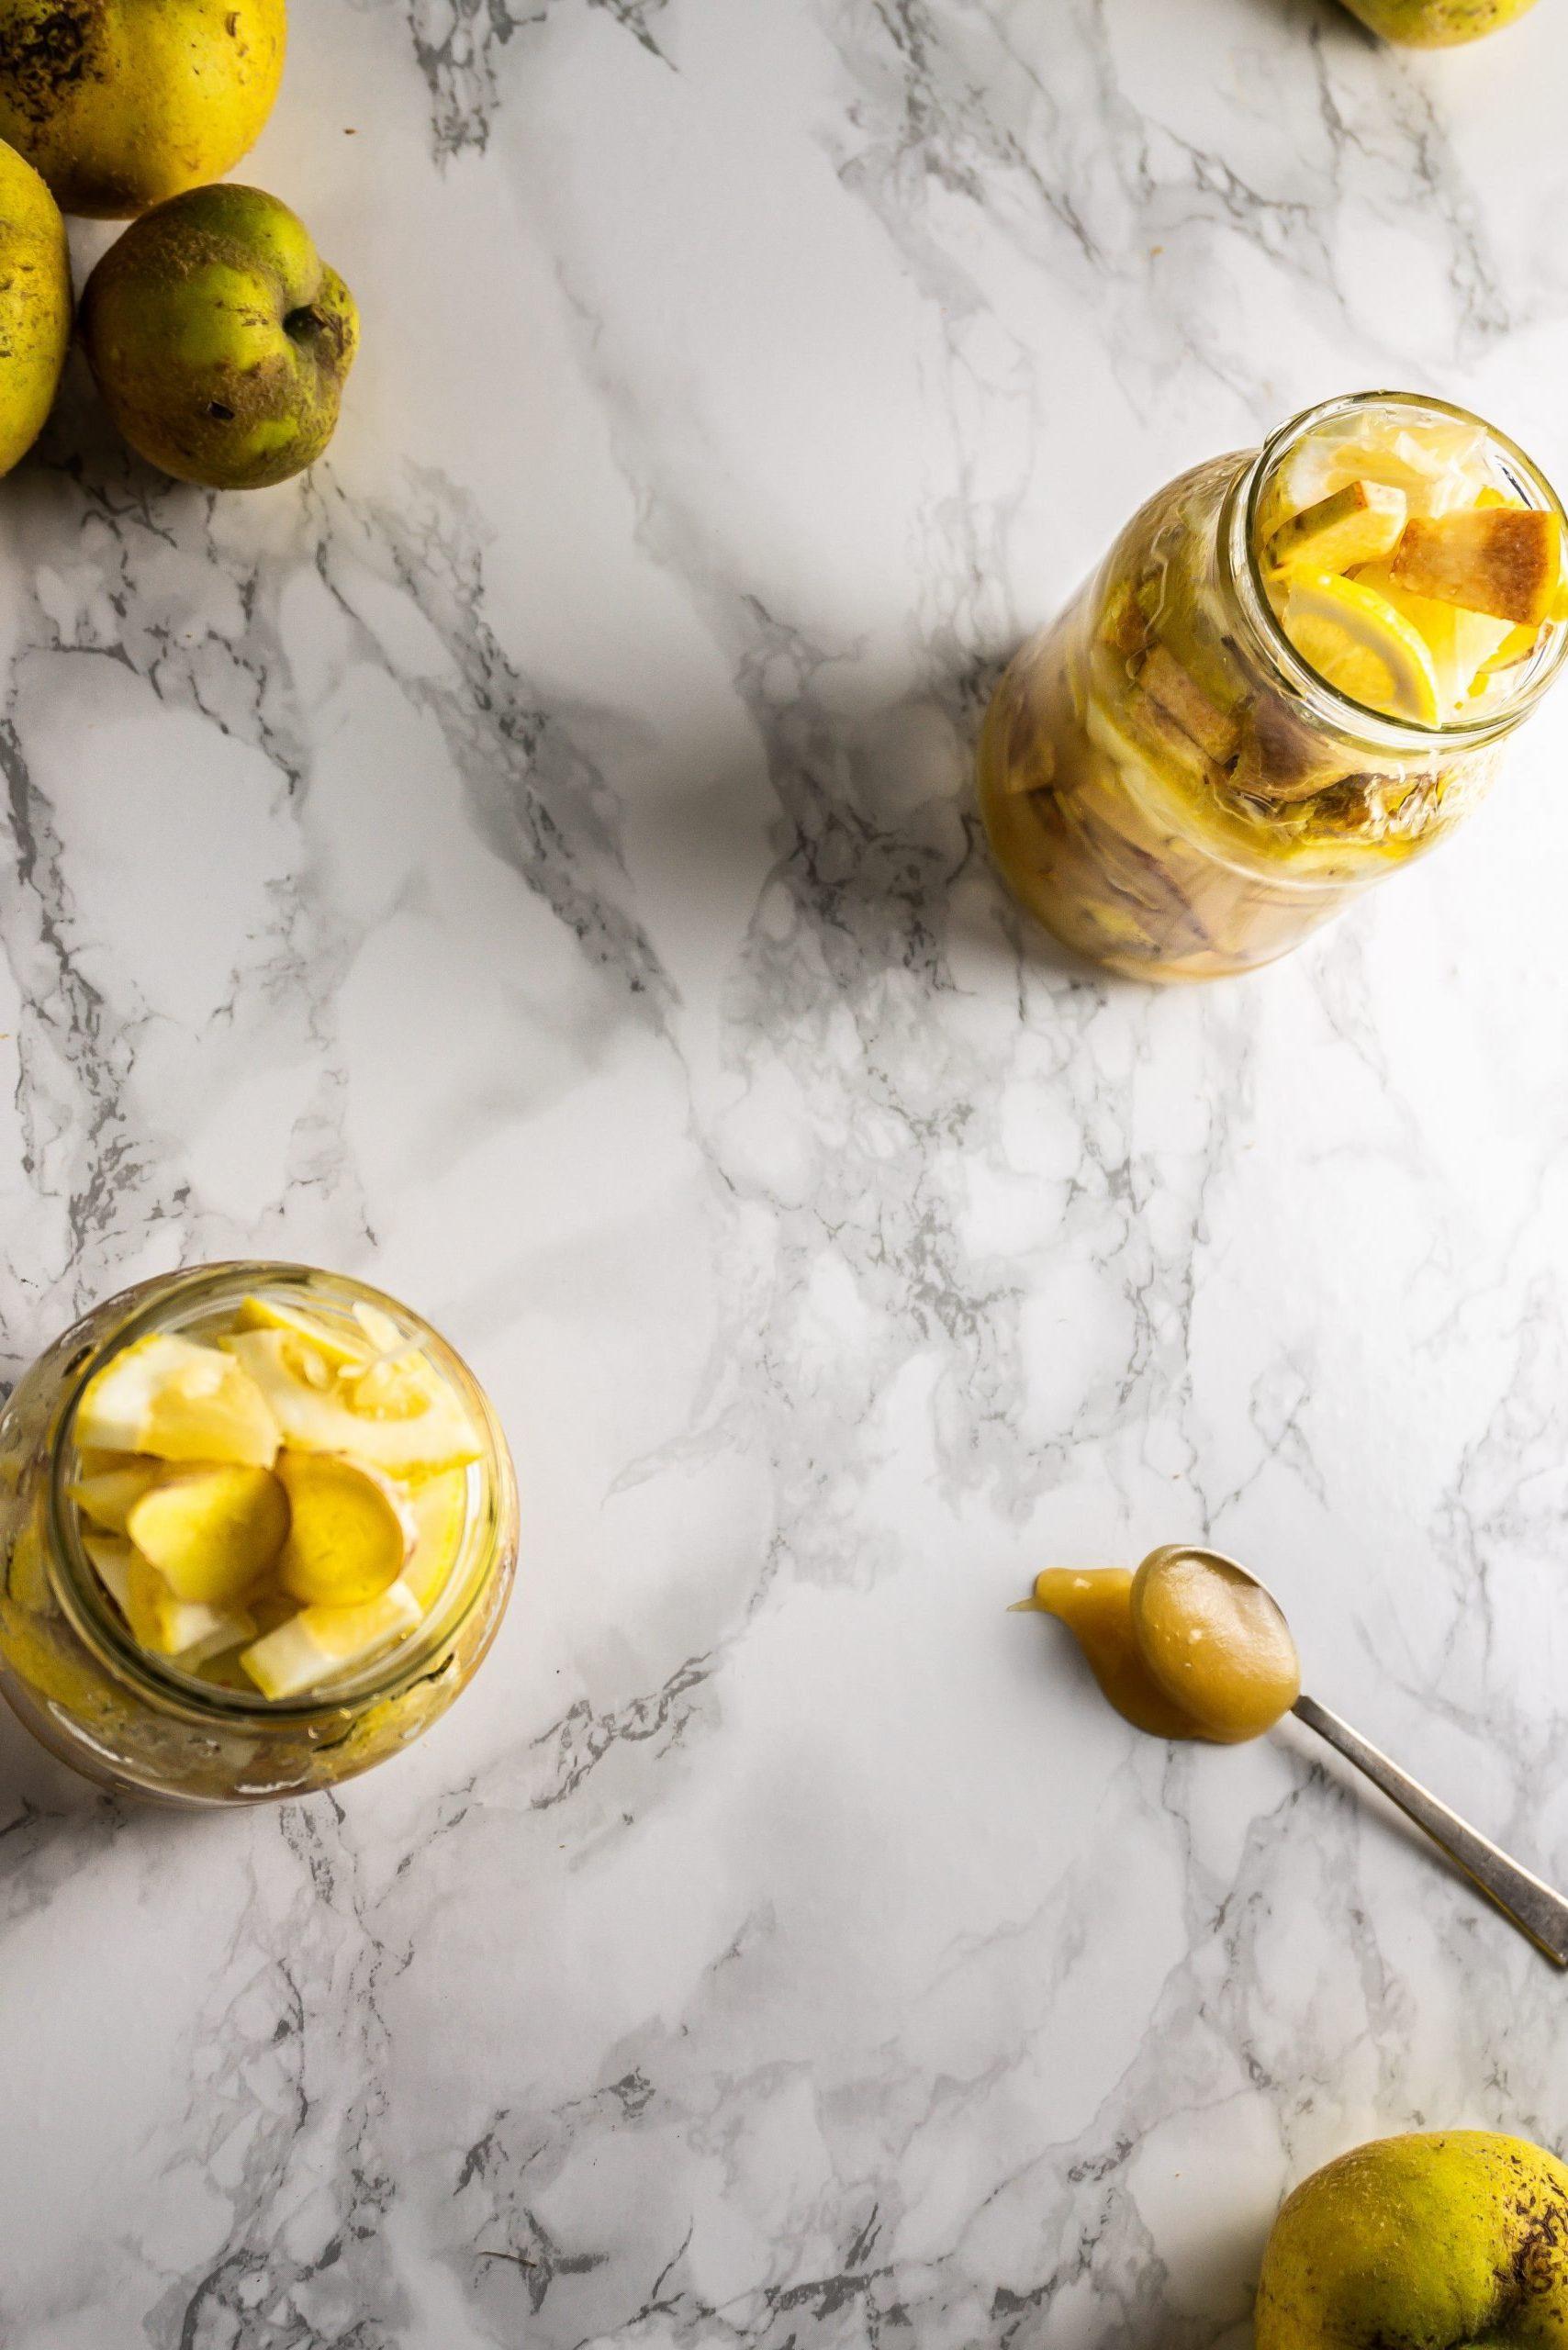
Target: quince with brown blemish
[121,103]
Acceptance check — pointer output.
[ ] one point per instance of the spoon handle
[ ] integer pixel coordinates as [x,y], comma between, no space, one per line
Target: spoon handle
[1533,1907]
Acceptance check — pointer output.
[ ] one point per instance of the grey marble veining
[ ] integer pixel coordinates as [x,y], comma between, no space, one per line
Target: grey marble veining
[532,862]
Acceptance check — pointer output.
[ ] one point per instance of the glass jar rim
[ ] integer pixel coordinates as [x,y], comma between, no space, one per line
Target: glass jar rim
[1237,537]
[87,1605]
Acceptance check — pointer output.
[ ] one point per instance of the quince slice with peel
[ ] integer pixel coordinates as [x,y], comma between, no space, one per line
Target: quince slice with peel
[211,1532]
[349,1534]
[167,1396]
[1360,523]
[321,1643]
[160,1622]
[1506,561]
[1361,644]
[429,1431]
[108,1496]
[335,1347]
[440,1512]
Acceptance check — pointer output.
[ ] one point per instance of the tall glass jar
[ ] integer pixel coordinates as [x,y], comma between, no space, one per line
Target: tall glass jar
[69,1667]
[1171,787]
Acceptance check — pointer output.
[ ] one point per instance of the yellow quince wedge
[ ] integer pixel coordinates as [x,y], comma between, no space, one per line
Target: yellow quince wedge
[323,1643]
[440,1511]
[349,1534]
[184,1402]
[160,1622]
[336,1348]
[212,1531]
[398,1414]
[107,1493]
[1360,523]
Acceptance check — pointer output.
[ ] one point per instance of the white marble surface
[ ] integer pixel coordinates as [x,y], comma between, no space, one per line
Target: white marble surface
[532,863]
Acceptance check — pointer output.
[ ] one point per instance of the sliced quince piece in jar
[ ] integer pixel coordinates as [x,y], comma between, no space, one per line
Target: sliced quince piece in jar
[213,1531]
[335,1347]
[1284,758]
[349,1532]
[1213,729]
[1361,645]
[1360,523]
[1123,625]
[440,1511]
[1516,647]
[110,1557]
[428,1430]
[107,1495]
[322,1643]
[1506,561]
[1150,736]
[1459,642]
[1440,466]
[160,1620]
[167,1396]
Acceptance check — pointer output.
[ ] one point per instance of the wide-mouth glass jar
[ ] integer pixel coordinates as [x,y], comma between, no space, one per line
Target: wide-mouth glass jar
[1173,787]
[203,1734]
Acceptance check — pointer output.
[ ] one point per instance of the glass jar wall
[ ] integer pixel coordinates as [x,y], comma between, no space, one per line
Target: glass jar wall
[195,1728]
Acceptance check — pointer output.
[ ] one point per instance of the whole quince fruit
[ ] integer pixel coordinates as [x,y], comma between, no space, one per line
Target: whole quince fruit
[121,103]
[220,339]
[1436,24]
[35,305]
[1423,2243]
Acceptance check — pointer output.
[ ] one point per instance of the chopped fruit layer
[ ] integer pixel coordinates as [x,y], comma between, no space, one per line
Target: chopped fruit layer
[1399,567]
[289,1490]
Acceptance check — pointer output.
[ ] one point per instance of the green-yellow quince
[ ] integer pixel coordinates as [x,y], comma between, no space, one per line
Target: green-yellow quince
[121,103]
[1436,24]
[220,339]
[1452,2239]
[35,304]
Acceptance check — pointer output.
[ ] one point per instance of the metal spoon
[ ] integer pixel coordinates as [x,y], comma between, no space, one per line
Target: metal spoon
[1533,1907]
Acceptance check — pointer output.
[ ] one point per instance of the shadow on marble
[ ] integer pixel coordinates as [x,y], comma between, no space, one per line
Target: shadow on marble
[52,1819]
[1325,16]
[878,830]
[1220,2269]
[1320,1760]
[34,1785]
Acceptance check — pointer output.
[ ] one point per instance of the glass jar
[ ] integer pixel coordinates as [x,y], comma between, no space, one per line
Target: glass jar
[69,1667]
[1171,787]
